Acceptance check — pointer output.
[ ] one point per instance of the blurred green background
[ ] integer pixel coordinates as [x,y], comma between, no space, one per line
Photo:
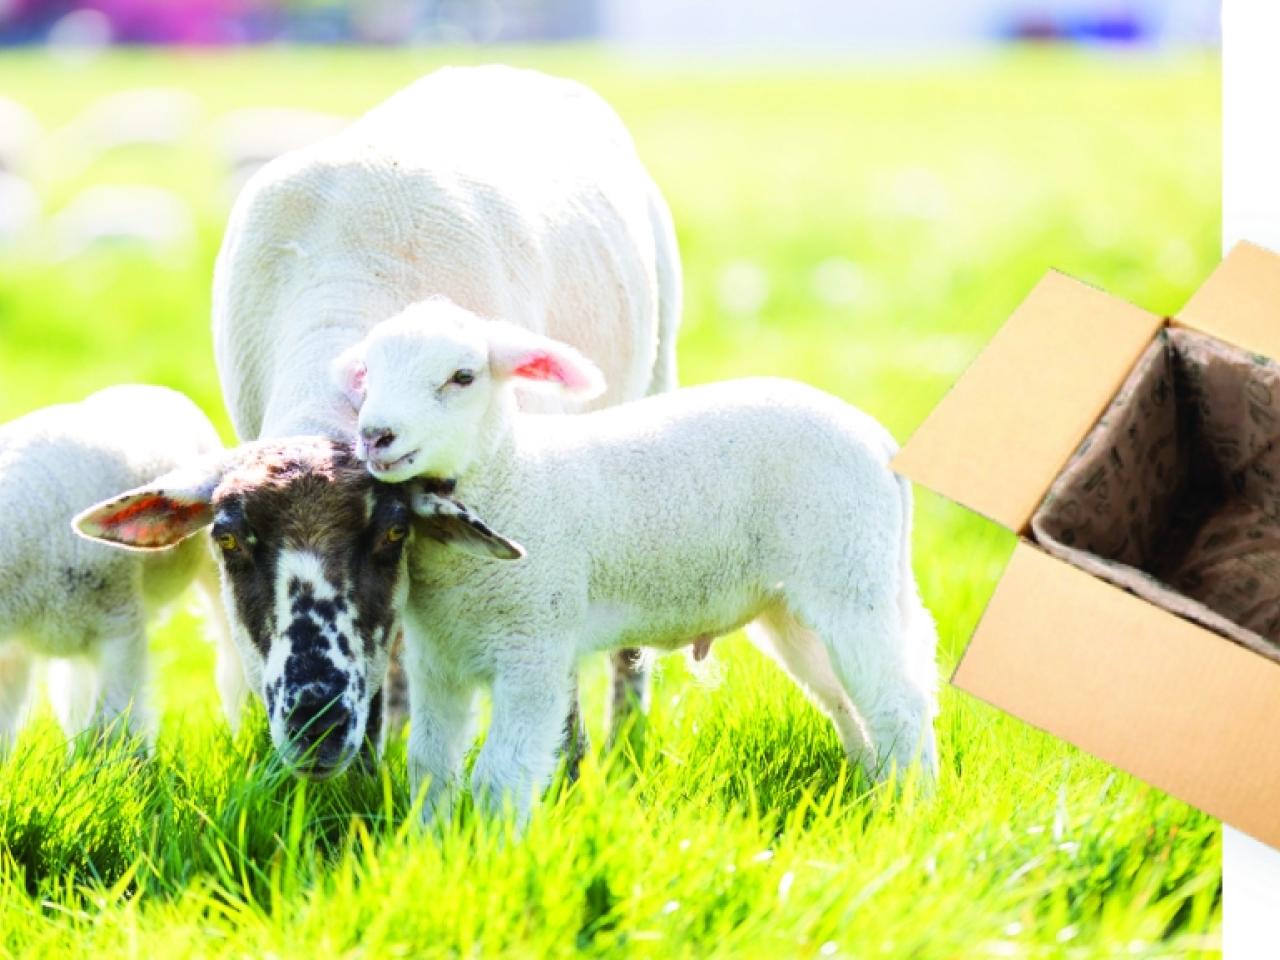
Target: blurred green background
[863,228]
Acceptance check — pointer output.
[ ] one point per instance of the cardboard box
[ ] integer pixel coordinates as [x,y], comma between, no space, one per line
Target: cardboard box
[1164,697]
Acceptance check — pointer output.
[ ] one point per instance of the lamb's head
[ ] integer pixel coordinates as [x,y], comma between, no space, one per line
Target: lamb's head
[314,576]
[428,382]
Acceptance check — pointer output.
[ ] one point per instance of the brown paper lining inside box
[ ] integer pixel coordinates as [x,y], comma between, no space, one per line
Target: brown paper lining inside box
[1174,495]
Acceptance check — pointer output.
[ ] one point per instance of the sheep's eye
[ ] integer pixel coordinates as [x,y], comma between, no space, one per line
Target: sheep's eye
[397,533]
[463,378]
[228,542]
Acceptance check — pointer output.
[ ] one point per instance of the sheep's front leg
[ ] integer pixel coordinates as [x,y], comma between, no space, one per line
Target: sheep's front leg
[441,728]
[530,703]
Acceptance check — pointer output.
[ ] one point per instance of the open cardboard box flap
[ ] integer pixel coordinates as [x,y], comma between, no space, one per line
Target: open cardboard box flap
[1000,436]
[1162,697]
[1003,432]
[1174,704]
[1240,302]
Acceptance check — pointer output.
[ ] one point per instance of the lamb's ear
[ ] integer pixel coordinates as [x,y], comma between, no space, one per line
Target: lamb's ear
[158,515]
[449,522]
[534,359]
[347,373]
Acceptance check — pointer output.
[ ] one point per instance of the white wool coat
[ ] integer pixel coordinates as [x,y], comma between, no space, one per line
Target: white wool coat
[514,194]
[659,521]
[662,523]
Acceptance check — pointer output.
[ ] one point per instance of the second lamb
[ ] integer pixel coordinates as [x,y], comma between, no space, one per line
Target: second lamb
[661,523]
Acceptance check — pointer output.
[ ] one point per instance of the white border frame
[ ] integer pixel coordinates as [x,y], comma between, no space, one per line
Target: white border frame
[1250,210]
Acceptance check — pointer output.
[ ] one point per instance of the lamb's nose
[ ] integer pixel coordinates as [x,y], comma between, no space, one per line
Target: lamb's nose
[378,438]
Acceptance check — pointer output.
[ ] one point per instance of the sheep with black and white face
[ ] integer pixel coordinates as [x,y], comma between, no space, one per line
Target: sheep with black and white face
[314,568]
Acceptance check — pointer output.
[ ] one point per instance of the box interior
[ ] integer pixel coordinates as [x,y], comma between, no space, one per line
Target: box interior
[1175,492]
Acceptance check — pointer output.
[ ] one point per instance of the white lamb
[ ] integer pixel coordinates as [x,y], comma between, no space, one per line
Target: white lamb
[81,603]
[661,523]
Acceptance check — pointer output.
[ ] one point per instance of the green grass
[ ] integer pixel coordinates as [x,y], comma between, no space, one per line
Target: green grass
[935,197]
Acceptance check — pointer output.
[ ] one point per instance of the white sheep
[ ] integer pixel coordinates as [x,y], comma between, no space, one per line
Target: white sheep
[510,192]
[81,603]
[660,523]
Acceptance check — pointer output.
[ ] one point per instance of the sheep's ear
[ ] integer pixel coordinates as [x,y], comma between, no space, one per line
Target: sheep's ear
[534,359]
[449,522]
[156,516]
[347,373]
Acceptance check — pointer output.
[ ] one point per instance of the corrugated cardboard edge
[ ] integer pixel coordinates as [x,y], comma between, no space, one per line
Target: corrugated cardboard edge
[1145,694]
[1240,302]
[1002,433]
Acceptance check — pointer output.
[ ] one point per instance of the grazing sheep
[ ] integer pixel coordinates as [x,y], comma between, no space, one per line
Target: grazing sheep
[659,523]
[504,190]
[314,576]
[78,602]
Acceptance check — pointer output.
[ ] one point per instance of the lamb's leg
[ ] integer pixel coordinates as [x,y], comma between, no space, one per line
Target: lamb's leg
[529,706]
[800,653]
[15,691]
[885,676]
[442,727]
[576,742]
[122,664]
[630,700]
[73,693]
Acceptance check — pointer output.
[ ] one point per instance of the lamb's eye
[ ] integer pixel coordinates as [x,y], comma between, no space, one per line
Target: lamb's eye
[397,533]
[227,541]
[463,378]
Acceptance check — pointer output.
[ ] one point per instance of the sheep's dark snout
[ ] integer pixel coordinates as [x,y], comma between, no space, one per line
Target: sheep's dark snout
[318,727]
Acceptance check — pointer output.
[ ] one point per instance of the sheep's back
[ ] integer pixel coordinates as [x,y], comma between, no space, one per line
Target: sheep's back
[517,195]
[741,481]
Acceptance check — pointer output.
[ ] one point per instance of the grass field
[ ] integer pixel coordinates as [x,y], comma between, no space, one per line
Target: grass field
[865,229]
